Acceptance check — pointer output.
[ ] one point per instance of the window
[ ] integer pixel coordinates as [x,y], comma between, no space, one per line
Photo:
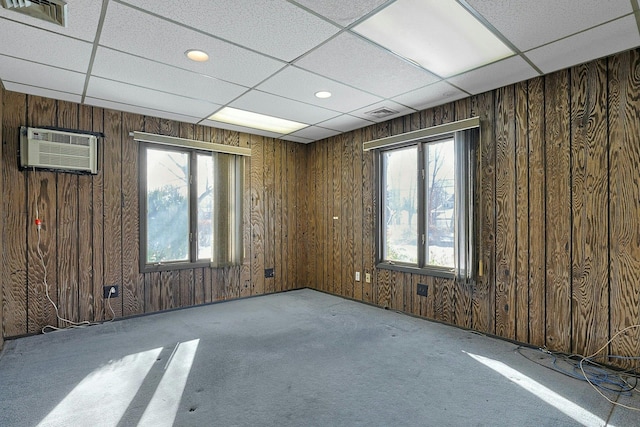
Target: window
[425,190]
[191,207]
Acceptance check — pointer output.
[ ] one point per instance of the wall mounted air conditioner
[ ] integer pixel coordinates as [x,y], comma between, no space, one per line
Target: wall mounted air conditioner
[58,150]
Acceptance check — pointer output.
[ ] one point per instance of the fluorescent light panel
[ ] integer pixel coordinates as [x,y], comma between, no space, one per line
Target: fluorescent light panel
[439,35]
[248,119]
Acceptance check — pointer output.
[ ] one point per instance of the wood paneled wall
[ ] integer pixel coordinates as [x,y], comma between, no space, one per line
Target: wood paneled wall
[1,240]
[558,216]
[558,211]
[90,228]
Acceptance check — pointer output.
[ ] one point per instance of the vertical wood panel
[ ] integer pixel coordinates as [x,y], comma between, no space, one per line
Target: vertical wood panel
[257,216]
[198,286]
[324,206]
[558,217]
[290,220]
[537,213]
[590,270]
[207,280]
[383,284]
[132,281]
[16,220]
[307,223]
[521,272]
[505,213]
[113,206]
[245,270]
[98,220]
[67,230]
[2,267]
[346,216]
[85,230]
[278,237]
[483,307]
[624,208]
[368,239]
[41,190]
[358,244]
[335,216]
[269,212]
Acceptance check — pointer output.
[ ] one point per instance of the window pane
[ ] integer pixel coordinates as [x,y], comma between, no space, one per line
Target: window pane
[400,201]
[205,205]
[440,203]
[167,206]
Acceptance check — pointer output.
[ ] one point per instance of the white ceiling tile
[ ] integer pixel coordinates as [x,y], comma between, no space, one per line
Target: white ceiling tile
[141,34]
[228,126]
[142,72]
[271,105]
[314,133]
[43,46]
[139,110]
[296,139]
[528,24]
[38,91]
[601,41]
[274,27]
[302,85]
[360,64]
[430,96]
[342,12]
[401,111]
[345,123]
[32,74]
[147,98]
[82,19]
[492,76]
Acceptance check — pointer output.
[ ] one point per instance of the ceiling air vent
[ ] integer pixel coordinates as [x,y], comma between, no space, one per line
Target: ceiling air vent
[48,10]
[381,112]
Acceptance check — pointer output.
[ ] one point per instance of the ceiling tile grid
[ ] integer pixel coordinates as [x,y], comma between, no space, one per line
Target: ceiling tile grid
[528,24]
[121,67]
[600,41]
[301,85]
[146,98]
[360,64]
[82,23]
[271,56]
[276,28]
[138,33]
[33,44]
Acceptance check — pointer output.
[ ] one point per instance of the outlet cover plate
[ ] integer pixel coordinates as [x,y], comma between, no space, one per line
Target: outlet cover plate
[268,272]
[422,290]
[105,291]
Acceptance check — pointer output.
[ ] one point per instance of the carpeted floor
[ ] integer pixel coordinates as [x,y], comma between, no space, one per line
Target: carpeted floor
[300,358]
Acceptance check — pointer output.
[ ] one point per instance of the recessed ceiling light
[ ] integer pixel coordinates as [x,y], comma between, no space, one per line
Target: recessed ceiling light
[256,121]
[323,94]
[441,36]
[197,55]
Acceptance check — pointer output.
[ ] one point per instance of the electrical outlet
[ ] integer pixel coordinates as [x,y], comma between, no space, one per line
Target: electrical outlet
[357,276]
[107,291]
[367,277]
[422,290]
[268,272]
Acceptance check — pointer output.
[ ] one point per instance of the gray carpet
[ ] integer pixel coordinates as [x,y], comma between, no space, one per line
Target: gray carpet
[300,358]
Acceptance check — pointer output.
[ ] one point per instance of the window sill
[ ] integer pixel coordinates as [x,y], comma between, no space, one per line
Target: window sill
[170,266]
[444,272]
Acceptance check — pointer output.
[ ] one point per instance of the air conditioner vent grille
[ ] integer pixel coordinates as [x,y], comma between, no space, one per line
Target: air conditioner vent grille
[381,112]
[58,150]
[54,11]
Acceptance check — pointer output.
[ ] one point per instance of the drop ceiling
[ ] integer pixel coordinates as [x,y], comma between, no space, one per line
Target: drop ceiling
[272,56]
